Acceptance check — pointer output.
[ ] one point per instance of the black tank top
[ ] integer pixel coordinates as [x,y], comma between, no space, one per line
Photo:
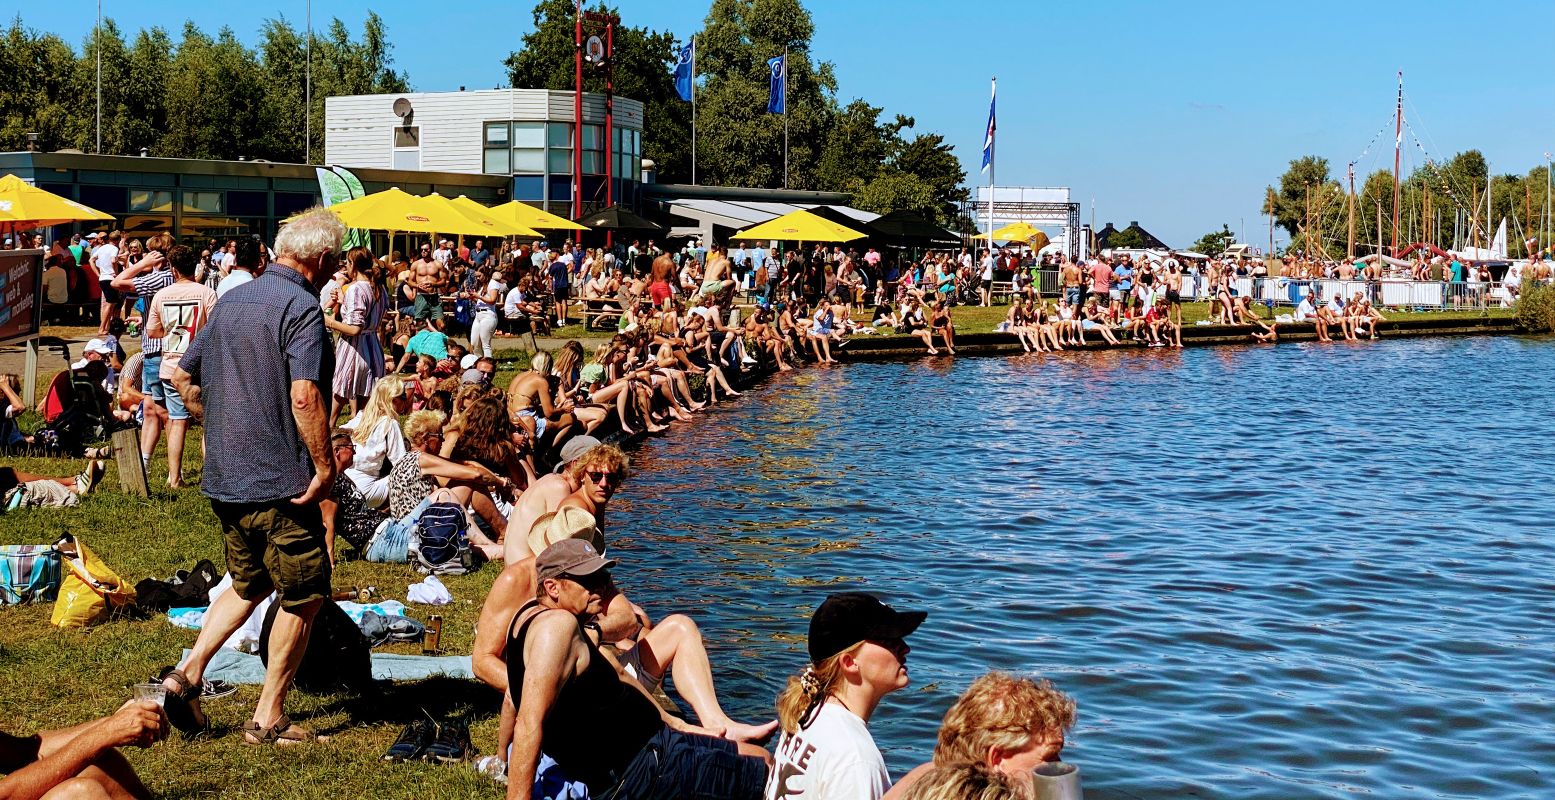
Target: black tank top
[404,293]
[597,724]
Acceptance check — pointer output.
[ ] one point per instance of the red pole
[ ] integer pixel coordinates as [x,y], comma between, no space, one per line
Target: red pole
[610,116]
[577,113]
[1398,140]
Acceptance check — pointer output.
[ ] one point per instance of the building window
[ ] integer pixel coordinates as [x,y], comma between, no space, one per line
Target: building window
[495,158]
[151,200]
[202,202]
[407,148]
[559,162]
[529,160]
[529,187]
[559,134]
[593,149]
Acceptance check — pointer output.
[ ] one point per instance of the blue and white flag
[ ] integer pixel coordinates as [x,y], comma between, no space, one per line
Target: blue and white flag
[684,71]
[777,96]
[988,139]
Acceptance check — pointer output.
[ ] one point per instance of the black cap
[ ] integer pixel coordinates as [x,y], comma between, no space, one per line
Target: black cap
[574,557]
[844,620]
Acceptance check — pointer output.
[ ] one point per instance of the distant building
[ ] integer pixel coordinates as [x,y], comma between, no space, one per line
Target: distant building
[1146,238]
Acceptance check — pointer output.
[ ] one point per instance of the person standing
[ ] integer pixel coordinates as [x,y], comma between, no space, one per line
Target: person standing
[105,258]
[857,656]
[247,255]
[175,315]
[359,352]
[144,277]
[259,375]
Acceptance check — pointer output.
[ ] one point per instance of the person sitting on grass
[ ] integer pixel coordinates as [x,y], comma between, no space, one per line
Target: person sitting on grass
[941,323]
[1309,311]
[1364,317]
[413,482]
[23,489]
[1003,723]
[81,761]
[534,408]
[1165,331]
[563,686]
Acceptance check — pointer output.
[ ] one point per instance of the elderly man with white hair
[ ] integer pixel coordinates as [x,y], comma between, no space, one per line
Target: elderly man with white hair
[259,375]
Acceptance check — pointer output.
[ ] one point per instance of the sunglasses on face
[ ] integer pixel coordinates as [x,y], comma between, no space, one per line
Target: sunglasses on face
[603,477]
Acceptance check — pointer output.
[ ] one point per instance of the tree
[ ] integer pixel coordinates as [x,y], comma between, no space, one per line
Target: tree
[1215,242]
[934,163]
[1126,239]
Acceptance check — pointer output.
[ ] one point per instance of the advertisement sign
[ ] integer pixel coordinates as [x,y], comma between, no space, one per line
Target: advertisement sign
[21,295]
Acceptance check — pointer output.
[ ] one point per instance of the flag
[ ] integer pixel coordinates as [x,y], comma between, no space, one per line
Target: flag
[684,76]
[337,185]
[988,139]
[776,95]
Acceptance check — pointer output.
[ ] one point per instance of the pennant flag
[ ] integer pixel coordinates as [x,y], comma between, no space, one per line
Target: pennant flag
[683,71]
[776,96]
[988,139]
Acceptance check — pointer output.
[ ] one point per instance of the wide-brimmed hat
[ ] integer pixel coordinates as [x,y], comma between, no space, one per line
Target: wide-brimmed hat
[562,524]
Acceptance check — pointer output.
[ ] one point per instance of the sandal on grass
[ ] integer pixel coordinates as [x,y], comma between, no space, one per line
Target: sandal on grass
[180,704]
[282,733]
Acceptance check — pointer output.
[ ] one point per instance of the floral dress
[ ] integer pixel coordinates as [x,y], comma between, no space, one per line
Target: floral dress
[359,358]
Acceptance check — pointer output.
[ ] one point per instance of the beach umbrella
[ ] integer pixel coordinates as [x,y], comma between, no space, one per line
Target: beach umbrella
[529,216]
[396,210]
[24,207]
[617,218]
[1015,231]
[487,223]
[801,226]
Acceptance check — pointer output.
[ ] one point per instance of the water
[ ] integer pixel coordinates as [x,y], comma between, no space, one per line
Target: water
[1293,571]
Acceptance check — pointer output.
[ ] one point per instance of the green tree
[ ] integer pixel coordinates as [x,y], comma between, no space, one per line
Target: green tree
[1215,242]
[934,162]
[39,92]
[1126,239]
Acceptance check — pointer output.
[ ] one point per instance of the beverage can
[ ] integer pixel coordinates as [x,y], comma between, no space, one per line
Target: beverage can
[432,640]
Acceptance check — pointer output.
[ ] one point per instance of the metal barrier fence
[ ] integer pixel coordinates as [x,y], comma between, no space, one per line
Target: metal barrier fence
[1391,293]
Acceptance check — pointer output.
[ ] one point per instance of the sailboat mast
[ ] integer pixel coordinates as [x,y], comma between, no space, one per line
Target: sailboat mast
[1350,202]
[1398,141]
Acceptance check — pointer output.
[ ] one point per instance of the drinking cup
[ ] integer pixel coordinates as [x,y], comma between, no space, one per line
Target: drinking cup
[155,692]
[1056,780]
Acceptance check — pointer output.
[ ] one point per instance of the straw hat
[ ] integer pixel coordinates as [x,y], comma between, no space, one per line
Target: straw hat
[566,523]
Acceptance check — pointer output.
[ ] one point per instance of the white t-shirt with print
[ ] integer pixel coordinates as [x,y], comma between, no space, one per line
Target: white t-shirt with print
[833,759]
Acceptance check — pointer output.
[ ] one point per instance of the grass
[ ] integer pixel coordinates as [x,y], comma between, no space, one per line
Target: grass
[55,678]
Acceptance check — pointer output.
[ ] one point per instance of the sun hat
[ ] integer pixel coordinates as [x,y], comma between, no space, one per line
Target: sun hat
[848,618]
[572,557]
[562,524]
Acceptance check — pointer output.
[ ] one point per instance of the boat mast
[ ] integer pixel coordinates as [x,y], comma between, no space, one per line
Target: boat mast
[1350,201]
[1398,141]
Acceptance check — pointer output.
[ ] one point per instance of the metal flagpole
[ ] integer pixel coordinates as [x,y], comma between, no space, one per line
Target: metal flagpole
[99,37]
[307,100]
[785,116]
[694,110]
[993,95]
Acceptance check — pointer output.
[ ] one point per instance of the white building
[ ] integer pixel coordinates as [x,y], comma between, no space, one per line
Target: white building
[523,133]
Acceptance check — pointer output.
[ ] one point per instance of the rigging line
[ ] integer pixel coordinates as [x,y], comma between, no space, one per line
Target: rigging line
[1408,120]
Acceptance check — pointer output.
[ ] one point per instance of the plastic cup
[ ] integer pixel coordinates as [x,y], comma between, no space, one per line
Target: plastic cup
[1056,780]
[155,692]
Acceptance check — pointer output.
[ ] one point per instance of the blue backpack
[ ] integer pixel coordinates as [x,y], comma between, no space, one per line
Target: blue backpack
[441,542]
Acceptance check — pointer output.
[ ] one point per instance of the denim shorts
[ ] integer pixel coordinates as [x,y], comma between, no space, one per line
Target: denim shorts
[173,401]
[151,381]
[675,765]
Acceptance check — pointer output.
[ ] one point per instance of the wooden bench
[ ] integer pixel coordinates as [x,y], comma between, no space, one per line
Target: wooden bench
[598,309]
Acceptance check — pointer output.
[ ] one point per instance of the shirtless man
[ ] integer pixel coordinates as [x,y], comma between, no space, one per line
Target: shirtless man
[532,408]
[428,277]
[1069,273]
[716,279]
[542,497]
[1174,292]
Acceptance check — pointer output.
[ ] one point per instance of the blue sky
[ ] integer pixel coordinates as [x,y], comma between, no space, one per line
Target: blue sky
[1171,113]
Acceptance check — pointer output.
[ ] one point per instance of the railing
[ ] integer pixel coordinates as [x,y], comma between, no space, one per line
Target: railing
[1392,293]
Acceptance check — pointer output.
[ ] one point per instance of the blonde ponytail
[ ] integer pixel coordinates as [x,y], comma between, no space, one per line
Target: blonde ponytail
[806,691]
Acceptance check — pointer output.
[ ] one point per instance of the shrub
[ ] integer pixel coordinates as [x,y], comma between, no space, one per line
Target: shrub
[1535,307]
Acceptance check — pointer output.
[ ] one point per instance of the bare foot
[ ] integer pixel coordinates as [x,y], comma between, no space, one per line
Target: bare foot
[740,732]
[658,428]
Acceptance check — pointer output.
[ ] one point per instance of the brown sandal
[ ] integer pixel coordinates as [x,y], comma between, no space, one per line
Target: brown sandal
[189,719]
[281,734]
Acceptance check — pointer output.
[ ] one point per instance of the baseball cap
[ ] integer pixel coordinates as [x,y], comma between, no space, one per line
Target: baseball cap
[565,523]
[97,345]
[848,618]
[574,557]
[468,360]
[472,376]
[574,449]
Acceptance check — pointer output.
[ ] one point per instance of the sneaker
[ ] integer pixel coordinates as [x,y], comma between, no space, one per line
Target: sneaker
[87,481]
[493,767]
[452,743]
[210,690]
[412,743]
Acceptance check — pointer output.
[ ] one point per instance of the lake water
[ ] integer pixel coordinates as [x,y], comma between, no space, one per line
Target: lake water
[1279,572]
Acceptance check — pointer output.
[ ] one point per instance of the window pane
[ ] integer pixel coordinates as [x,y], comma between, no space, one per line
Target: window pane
[528,160]
[528,187]
[289,203]
[104,198]
[248,204]
[559,134]
[560,162]
[202,202]
[496,133]
[593,163]
[408,137]
[496,162]
[407,159]
[529,134]
[592,137]
[150,200]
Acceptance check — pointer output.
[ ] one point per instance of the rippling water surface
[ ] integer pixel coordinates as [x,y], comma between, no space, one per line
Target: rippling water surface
[1294,571]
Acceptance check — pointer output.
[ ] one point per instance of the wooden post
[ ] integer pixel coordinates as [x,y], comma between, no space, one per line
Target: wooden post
[30,375]
[132,473]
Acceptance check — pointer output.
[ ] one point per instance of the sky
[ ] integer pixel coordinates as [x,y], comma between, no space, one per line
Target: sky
[1174,114]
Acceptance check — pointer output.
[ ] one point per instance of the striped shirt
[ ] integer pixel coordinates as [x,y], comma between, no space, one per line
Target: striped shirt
[261,337]
[147,284]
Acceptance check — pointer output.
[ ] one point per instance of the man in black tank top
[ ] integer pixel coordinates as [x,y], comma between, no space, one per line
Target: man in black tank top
[601,728]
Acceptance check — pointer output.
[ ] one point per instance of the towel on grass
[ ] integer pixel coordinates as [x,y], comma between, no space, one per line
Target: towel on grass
[241,668]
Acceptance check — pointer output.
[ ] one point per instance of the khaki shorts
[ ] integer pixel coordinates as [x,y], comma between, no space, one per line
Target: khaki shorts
[275,547]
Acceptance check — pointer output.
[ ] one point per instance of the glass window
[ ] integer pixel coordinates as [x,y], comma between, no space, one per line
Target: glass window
[289,203]
[496,161]
[592,137]
[497,134]
[407,137]
[104,198]
[561,193]
[593,162]
[560,162]
[527,160]
[406,159]
[528,187]
[559,134]
[529,134]
[248,204]
[202,202]
[150,200]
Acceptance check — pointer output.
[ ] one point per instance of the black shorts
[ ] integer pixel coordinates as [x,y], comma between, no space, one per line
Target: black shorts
[110,294]
[674,765]
[1173,297]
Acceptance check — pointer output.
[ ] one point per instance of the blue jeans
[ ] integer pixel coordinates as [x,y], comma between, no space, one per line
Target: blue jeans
[151,380]
[391,545]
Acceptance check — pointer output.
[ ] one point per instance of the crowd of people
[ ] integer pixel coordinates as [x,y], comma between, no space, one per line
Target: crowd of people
[318,447]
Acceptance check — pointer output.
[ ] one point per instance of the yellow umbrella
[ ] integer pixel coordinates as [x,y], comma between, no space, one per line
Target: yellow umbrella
[24,207]
[525,214]
[801,226]
[487,224]
[397,210]
[1015,231]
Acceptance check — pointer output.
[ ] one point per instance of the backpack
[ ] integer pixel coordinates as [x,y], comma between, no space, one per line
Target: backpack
[440,543]
[337,657]
[192,592]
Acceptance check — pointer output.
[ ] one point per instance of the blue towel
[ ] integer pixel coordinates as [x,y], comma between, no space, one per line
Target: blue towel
[241,668]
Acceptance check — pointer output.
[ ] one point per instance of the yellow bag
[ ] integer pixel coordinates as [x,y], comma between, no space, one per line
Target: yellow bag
[90,589]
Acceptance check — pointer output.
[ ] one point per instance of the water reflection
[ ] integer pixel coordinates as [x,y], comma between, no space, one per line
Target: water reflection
[1292,571]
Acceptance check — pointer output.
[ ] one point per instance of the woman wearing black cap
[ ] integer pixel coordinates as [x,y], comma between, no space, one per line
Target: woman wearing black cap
[857,656]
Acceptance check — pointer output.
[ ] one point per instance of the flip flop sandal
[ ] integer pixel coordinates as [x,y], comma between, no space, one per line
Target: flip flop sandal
[282,734]
[189,721]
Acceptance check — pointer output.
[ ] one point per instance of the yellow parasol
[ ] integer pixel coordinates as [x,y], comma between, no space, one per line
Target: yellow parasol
[488,224]
[24,207]
[801,226]
[525,214]
[1015,231]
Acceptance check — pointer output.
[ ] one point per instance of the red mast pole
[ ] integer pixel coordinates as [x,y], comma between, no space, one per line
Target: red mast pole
[577,113]
[1398,141]
[610,117]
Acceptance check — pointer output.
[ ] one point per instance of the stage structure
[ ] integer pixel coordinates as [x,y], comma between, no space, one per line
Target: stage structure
[1043,206]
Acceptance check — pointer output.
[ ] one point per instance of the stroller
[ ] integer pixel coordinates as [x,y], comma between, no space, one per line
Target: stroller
[77,410]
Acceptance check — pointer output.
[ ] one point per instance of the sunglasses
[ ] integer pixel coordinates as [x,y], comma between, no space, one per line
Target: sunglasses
[603,477]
